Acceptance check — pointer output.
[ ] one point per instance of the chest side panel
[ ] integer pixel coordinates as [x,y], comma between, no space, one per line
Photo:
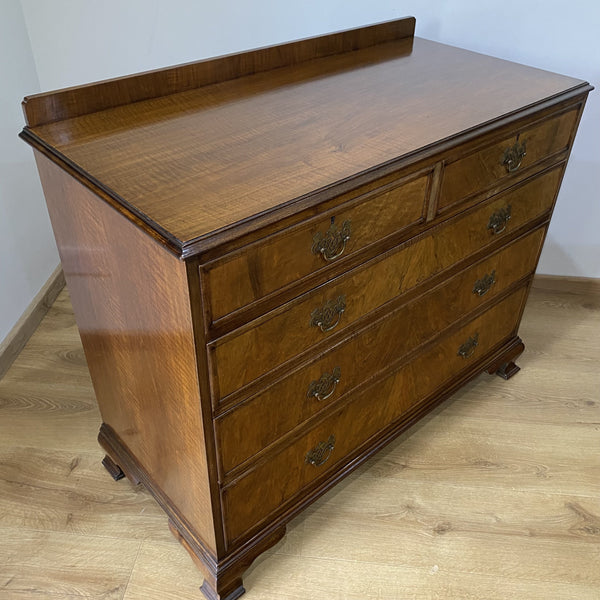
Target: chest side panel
[132,308]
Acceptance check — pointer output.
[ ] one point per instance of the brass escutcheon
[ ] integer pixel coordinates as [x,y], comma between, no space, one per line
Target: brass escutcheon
[331,245]
[468,348]
[328,316]
[320,453]
[482,286]
[323,388]
[499,219]
[513,156]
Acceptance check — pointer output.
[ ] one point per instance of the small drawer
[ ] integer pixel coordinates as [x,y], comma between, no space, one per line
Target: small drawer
[500,162]
[300,325]
[323,450]
[247,429]
[268,265]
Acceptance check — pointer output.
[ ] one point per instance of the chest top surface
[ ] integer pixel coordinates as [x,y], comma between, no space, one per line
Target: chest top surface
[197,162]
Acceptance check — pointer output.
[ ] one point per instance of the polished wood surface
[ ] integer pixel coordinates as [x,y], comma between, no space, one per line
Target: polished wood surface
[245,430]
[488,498]
[484,169]
[284,258]
[134,318]
[299,212]
[372,285]
[270,483]
[72,102]
[247,146]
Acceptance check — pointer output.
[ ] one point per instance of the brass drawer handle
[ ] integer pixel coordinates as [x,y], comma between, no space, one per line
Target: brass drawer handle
[320,453]
[499,219]
[468,348]
[323,388]
[331,245]
[482,286]
[328,316]
[513,156]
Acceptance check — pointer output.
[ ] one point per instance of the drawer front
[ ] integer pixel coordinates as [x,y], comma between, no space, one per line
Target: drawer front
[269,265]
[324,449]
[249,428]
[293,329]
[496,164]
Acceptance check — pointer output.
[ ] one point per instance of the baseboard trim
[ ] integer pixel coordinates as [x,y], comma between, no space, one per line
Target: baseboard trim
[19,335]
[573,285]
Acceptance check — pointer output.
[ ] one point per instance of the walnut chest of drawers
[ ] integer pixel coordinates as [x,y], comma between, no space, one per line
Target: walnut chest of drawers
[280,259]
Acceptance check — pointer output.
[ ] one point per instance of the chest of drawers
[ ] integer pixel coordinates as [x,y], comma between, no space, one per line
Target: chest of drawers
[280,259]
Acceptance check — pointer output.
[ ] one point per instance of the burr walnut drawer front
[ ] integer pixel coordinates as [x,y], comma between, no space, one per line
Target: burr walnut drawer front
[495,164]
[298,326]
[282,259]
[245,430]
[269,484]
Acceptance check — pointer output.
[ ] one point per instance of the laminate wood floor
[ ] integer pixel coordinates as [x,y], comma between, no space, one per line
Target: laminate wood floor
[494,495]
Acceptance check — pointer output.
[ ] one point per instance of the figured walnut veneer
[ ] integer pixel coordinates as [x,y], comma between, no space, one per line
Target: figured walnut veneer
[280,259]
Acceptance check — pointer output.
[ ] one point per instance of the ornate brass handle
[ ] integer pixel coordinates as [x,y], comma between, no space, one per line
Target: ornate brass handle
[482,286]
[468,348]
[499,219]
[328,316]
[323,388]
[513,156]
[331,244]
[320,453]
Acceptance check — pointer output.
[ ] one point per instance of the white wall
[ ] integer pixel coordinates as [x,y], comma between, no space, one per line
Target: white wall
[27,251]
[559,37]
[74,42]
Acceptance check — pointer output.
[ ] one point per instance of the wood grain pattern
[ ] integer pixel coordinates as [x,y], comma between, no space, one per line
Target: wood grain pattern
[63,565]
[285,258]
[230,171]
[68,103]
[148,582]
[78,504]
[249,145]
[484,169]
[492,473]
[286,473]
[131,301]
[372,285]
[244,430]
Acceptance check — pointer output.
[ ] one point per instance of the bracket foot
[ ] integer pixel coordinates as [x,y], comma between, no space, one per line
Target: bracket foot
[113,468]
[230,594]
[507,370]
[504,366]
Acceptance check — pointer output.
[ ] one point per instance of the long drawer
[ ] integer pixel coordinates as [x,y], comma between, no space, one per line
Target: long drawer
[270,264]
[497,163]
[276,480]
[245,430]
[309,320]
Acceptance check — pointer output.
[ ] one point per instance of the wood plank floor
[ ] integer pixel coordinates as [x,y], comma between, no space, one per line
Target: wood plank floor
[495,495]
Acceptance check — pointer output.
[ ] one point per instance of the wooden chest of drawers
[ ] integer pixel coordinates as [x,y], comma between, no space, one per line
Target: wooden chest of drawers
[281,259]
